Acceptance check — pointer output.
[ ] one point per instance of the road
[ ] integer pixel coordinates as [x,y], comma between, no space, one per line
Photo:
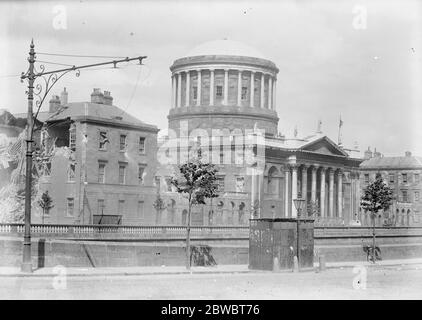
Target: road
[381,283]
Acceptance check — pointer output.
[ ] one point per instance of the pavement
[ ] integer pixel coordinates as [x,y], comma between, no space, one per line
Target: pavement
[174,270]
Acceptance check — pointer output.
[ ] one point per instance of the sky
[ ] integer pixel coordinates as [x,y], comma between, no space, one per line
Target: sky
[361,60]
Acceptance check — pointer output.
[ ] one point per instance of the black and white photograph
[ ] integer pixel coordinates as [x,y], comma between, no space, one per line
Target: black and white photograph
[227,152]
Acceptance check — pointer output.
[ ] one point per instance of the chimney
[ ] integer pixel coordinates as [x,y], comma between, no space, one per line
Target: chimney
[97,96]
[377,154]
[63,97]
[108,99]
[54,104]
[408,154]
[367,154]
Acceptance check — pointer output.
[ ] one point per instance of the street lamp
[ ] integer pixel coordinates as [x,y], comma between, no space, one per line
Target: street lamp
[299,204]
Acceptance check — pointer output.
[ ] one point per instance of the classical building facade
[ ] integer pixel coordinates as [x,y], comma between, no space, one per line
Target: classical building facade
[223,96]
[403,175]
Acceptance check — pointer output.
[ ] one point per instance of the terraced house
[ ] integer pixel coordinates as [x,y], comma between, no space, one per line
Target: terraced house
[100,167]
[403,175]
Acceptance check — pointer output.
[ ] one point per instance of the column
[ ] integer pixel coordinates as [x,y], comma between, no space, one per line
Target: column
[226,87]
[239,89]
[331,193]
[286,191]
[262,90]
[187,98]
[322,192]
[270,92]
[304,181]
[173,91]
[251,103]
[314,182]
[357,193]
[211,87]
[294,190]
[179,90]
[198,90]
[340,193]
[274,94]
[304,189]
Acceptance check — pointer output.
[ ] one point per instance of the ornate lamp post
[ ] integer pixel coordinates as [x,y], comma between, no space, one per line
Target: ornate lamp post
[299,204]
[41,91]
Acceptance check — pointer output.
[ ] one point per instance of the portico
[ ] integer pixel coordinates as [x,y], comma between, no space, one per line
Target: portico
[327,182]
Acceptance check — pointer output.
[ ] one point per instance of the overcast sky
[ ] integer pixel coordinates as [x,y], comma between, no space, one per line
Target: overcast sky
[332,60]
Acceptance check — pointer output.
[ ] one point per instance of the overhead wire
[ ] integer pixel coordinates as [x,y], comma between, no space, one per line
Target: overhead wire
[78,55]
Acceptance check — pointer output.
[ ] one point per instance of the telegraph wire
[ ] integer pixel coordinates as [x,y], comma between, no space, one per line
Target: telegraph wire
[77,55]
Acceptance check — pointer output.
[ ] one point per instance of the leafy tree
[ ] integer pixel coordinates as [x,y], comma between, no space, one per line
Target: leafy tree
[376,196]
[198,181]
[46,203]
[159,205]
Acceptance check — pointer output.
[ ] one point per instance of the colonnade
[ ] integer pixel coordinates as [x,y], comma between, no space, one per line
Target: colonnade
[194,77]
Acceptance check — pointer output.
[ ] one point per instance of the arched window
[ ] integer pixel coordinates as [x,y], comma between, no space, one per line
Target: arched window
[210,217]
[232,212]
[184,217]
[241,213]
[272,184]
[172,211]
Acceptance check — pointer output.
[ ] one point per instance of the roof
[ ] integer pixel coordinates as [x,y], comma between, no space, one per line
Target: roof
[96,111]
[42,116]
[225,47]
[392,162]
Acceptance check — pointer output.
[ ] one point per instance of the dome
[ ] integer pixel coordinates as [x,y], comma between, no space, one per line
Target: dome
[225,47]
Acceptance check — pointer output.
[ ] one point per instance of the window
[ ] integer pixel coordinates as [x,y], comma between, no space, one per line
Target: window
[220,182]
[244,93]
[100,206]
[404,177]
[103,140]
[169,185]
[121,207]
[71,173]
[141,145]
[122,142]
[101,173]
[157,182]
[219,91]
[122,174]
[404,195]
[141,170]
[195,93]
[416,195]
[417,177]
[72,139]
[366,178]
[391,177]
[240,184]
[140,209]
[70,207]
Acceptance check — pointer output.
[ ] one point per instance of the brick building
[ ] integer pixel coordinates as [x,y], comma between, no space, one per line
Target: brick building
[403,175]
[102,164]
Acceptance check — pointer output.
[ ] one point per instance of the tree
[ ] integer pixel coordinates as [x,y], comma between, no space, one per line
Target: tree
[376,196]
[198,181]
[159,205]
[46,203]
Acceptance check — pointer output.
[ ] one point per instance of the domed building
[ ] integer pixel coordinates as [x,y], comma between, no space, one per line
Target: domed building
[224,84]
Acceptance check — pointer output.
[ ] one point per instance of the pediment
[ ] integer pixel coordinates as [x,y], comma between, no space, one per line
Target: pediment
[325,146]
